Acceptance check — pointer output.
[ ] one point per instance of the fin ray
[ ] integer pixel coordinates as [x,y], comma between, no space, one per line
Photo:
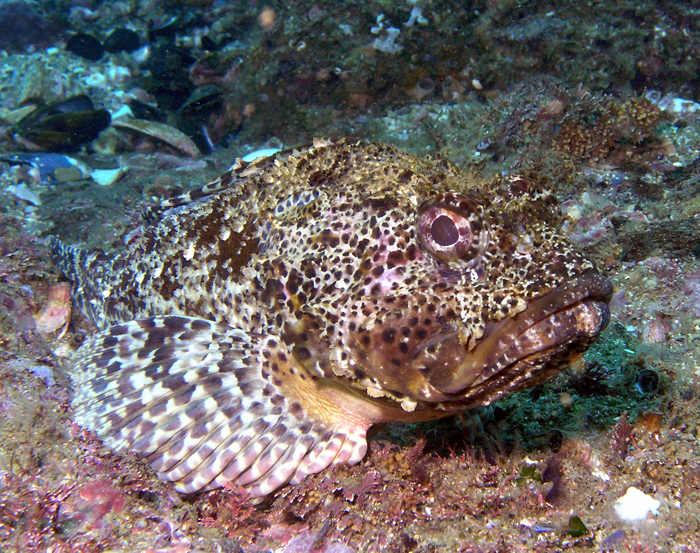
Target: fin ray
[203,404]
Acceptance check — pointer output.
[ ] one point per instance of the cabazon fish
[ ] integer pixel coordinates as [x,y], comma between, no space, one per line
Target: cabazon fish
[256,329]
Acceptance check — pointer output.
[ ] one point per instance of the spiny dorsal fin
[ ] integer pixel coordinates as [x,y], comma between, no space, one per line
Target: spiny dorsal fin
[240,170]
[206,404]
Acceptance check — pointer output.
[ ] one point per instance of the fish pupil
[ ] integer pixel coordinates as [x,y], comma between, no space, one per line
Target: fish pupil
[444,231]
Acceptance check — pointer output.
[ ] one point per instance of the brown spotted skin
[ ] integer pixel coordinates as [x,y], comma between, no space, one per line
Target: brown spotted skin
[315,295]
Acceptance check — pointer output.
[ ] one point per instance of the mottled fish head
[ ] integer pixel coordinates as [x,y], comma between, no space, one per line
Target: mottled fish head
[424,290]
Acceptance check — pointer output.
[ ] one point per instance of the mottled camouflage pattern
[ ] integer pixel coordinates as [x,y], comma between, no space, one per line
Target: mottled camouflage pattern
[257,328]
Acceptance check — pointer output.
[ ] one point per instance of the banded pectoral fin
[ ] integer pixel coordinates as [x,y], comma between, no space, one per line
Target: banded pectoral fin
[207,404]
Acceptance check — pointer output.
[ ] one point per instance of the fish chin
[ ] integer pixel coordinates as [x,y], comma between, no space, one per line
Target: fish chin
[522,351]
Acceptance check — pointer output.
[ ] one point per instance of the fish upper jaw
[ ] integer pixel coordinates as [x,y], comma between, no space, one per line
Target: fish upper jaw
[573,311]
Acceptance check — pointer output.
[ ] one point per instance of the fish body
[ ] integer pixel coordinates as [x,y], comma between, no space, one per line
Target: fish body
[255,330]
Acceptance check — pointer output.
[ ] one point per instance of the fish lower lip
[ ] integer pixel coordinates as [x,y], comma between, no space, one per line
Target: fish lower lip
[565,320]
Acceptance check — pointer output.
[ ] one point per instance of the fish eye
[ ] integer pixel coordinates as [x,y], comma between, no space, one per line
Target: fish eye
[452,229]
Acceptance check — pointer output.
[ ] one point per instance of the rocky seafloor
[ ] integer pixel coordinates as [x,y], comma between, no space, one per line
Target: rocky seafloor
[596,101]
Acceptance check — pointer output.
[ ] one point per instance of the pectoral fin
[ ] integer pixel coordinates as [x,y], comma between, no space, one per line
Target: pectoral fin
[207,404]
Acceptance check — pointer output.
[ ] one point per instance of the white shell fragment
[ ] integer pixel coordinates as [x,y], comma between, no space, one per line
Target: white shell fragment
[123,112]
[635,505]
[259,154]
[673,104]
[105,177]
[21,192]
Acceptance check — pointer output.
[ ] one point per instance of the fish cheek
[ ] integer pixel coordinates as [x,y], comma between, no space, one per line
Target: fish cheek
[409,357]
[310,349]
[439,364]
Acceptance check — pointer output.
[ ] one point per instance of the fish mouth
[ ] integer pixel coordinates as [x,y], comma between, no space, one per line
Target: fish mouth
[527,349]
